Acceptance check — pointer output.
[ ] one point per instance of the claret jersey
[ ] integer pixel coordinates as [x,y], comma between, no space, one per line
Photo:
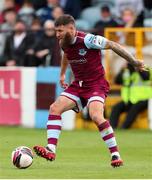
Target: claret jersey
[85,57]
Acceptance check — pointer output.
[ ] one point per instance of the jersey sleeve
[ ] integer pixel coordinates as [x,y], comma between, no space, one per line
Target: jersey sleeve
[95,41]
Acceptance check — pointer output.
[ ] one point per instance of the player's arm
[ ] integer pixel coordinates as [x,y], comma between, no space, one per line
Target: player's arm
[99,42]
[64,65]
[121,51]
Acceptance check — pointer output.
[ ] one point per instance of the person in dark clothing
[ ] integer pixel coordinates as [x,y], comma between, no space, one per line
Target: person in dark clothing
[135,92]
[106,21]
[17,45]
[47,51]
[45,13]
[38,3]
[72,7]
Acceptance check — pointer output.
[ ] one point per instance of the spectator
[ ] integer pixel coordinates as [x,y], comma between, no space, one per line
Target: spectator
[47,51]
[8,4]
[36,28]
[129,19]
[135,5]
[10,17]
[57,12]
[36,32]
[45,13]
[27,12]
[106,21]
[11,4]
[72,7]
[135,92]
[38,3]
[6,28]
[17,45]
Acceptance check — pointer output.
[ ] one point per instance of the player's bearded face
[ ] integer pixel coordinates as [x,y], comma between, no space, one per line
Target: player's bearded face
[66,35]
[67,40]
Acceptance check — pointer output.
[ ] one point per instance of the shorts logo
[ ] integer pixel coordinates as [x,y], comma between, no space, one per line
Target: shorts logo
[82,52]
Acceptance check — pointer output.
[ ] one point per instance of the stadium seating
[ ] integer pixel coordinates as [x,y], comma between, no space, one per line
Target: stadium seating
[82,24]
[91,15]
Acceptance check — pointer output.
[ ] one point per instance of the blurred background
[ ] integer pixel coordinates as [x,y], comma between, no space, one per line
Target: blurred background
[30,60]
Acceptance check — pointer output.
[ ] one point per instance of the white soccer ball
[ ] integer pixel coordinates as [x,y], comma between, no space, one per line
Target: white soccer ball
[22,157]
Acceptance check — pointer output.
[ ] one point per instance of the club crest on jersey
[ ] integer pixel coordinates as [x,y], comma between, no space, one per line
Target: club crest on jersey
[82,52]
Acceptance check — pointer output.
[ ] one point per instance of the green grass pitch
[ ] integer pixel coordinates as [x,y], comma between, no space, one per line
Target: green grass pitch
[81,154]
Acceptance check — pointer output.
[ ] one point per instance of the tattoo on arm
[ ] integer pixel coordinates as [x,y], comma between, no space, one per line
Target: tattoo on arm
[123,53]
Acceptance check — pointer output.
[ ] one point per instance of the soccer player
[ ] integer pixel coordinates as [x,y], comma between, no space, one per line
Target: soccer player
[83,53]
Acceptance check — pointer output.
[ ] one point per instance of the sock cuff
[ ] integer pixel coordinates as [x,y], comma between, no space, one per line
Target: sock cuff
[54,117]
[114,151]
[104,125]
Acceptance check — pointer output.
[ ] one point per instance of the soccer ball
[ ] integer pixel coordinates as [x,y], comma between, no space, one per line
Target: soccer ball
[22,157]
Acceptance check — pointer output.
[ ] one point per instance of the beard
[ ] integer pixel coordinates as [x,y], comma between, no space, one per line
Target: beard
[66,41]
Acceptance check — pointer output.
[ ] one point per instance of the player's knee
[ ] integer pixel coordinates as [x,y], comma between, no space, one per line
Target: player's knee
[97,118]
[54,109]
[94,116]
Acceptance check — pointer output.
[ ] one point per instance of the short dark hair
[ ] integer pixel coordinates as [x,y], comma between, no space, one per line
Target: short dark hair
[105,9]
[20,21]
[7,10]
[64,20]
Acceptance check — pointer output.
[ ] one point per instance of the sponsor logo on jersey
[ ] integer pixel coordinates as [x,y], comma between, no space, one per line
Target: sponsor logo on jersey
[82,52]
[94,40]
[99,41]
[91,39]
[78,61]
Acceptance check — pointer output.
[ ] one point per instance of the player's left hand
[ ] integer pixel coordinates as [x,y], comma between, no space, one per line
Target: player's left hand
[140,66]
[62,82]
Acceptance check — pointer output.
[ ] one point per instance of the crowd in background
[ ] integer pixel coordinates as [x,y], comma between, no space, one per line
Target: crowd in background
[27,35]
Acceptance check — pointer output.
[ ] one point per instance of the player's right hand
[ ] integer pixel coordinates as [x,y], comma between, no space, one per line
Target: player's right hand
[62,82]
